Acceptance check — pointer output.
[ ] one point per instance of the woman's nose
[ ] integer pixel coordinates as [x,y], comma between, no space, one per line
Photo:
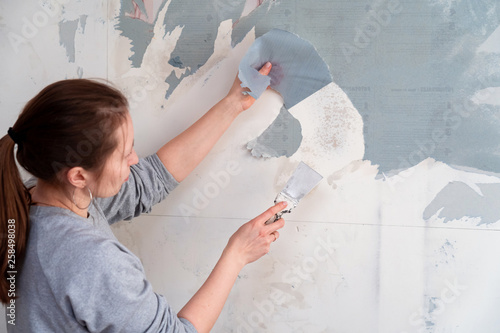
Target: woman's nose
[134,159]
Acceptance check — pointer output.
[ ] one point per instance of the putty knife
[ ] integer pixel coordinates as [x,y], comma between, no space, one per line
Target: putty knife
[303,180]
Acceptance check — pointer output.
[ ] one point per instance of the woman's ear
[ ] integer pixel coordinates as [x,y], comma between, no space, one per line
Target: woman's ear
[78,177]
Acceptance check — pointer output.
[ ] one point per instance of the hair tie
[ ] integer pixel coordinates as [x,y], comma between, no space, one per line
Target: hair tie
[13,135]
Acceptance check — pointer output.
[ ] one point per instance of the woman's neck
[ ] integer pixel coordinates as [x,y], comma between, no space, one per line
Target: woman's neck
[44,194]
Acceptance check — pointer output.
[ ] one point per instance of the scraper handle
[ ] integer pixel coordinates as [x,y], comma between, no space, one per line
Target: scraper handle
[274,218]
[288,209]
[277,216]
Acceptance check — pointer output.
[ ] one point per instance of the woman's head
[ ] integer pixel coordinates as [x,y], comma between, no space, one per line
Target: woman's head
[70,123]
[74,133]
[107,179]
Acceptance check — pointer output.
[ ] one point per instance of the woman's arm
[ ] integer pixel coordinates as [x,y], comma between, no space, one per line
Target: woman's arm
[250,242]
[183,153]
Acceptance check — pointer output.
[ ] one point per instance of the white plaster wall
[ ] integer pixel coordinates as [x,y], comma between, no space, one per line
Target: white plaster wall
[355,256]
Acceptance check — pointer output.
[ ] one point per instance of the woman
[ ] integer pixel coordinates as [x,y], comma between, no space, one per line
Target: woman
[63,269]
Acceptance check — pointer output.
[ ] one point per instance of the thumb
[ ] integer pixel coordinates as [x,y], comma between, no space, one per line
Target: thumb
[266,69]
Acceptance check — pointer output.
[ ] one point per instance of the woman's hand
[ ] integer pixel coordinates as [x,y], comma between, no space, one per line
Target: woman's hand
[253,239]
[238,96]
[250,242]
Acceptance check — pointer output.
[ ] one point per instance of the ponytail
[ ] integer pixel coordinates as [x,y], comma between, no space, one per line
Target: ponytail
[14,223]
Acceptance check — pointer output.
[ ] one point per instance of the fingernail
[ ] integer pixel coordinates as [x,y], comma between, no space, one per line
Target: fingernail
[267,65]
[284,203]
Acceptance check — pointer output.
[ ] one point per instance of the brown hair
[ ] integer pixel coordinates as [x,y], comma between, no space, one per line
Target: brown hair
[67,124]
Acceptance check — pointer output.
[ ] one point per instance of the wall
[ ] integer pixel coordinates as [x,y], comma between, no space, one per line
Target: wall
[402,233]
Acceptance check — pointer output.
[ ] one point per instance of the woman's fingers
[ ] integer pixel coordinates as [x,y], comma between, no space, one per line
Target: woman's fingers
[278,224]
[239,95]
[253,239]
[271,211]
[271,230]
[266,69]
[275,235]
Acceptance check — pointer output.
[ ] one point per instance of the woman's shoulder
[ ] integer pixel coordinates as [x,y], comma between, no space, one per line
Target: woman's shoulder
[56,220]
[72,254]
[61,237]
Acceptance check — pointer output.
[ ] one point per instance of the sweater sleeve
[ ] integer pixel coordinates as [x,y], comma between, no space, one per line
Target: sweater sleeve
[102,286]
[149,183]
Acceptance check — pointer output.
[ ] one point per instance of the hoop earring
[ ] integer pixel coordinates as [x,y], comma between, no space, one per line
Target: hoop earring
[74,202]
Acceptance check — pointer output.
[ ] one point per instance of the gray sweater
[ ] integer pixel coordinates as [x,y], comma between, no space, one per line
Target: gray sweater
[77,277]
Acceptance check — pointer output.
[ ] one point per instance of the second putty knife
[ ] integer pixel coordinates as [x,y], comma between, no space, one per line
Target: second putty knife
[303,180]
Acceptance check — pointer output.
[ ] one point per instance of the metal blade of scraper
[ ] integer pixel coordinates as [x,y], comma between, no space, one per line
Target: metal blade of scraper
[302,181]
